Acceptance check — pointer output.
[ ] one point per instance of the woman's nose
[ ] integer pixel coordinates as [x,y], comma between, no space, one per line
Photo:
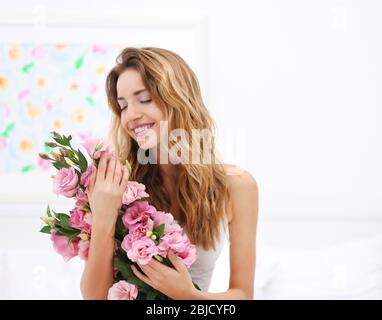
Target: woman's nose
[132,113]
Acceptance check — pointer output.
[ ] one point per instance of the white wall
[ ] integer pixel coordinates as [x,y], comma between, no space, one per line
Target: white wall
[297,83]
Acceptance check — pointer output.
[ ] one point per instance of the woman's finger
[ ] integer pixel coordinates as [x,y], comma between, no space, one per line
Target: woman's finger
[178,265]
[149,271]
[141,276]
[92,179]
[102,167]
[118,173]
[110,170]
[125,178]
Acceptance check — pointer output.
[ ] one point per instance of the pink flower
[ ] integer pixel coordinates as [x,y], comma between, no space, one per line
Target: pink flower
[90,145]
[161,217]
[172,240]
[62,245]
[65,182]
[123,290]
[180,244]
[83,249]
[167,219]
[88,218]
[128,241]
[77,220]
[137,234]
[134,191]
[141,229]
[82,200]
[141,250]
[188,256]
[104,149]
[85,177]
[137,213]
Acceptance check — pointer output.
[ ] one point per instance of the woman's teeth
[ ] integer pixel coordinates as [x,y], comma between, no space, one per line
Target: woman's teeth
[141,130]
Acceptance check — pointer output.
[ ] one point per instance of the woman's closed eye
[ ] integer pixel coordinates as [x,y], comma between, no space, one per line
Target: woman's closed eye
[124,106]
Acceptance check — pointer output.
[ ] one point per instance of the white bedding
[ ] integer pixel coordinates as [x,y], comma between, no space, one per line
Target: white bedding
[351,270]
[296,259]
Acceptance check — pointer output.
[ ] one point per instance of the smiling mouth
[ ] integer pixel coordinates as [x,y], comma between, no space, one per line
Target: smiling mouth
[141,131]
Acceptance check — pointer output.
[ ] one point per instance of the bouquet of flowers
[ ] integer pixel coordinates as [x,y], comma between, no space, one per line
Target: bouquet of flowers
[141,234]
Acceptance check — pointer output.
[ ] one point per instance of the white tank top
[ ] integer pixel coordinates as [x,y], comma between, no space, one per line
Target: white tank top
[201,270]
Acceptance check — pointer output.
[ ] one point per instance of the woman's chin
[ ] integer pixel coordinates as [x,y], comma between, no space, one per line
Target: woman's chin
[146,143]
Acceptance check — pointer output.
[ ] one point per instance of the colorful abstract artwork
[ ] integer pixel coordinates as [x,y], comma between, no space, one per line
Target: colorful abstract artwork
[50,87]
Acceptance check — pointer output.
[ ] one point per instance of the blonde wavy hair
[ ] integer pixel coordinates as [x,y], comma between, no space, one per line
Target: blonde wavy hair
[201,190]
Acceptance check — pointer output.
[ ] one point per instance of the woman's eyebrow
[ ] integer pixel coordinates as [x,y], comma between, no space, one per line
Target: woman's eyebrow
[135,93]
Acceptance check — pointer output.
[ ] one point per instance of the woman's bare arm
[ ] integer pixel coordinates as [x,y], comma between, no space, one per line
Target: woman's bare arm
[106,187]
[97,277]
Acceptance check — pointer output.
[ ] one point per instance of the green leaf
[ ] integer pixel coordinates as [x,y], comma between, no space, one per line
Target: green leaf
[74,235]
[159,230]
[45,229]
[60,165]
[151,294]
[121,255]
[66,140]
[59,140]
[128,274]
[120,230]
[48,211]
[64,220]
[78,175]
[68,233]
[82,161]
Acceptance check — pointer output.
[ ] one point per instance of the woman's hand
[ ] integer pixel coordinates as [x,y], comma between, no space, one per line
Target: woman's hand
[174,283]
[105,190]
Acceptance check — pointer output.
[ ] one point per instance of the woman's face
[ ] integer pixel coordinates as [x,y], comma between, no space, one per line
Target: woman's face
[140,115]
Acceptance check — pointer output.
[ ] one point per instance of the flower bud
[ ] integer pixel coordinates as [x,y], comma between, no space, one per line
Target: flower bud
[159,258]
[98,146]
[69,162]
[51,144]
[64,152]
[83,236]
[154,237]
[149,233]
[57,157]
[48,220]
[44,156]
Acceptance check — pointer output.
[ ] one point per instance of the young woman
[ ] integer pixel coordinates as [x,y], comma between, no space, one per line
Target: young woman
[148,90]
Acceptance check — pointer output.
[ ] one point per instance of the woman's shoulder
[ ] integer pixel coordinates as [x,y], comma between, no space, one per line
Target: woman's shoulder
[242,186]
[238,175]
